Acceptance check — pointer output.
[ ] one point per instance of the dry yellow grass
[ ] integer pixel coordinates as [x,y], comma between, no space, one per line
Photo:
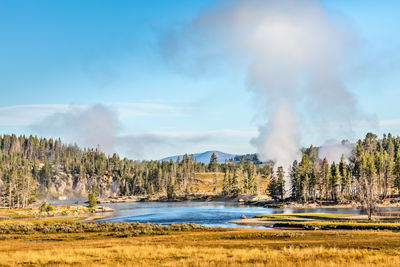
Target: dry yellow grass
[207,183]
[263,182]
[206,248]
[211,183]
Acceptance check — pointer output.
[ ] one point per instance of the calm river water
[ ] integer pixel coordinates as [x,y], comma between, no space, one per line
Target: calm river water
[204,213]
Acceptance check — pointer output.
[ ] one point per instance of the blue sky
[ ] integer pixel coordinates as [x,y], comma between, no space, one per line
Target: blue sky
[57,56]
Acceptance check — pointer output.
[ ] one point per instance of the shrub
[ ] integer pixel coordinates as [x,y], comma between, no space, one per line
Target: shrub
[46,207]
[92,200]
[49,208]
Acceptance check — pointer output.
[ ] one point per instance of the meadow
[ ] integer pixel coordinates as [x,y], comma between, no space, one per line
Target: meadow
[189,245]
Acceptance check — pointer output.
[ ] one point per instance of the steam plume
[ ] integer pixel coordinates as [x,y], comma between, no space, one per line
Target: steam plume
[333,151]
[294,53]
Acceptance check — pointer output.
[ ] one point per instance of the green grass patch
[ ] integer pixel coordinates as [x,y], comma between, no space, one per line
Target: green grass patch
[17,215]
[41,211]
[121,229]
[343,225]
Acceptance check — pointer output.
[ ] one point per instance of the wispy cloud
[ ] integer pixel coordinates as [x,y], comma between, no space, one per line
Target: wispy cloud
[23,115]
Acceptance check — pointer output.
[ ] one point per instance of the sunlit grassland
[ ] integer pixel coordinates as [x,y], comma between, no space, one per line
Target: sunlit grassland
[210,183]
[205,247]
[207,183]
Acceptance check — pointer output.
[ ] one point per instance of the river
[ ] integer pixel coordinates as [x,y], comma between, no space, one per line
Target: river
[203,213]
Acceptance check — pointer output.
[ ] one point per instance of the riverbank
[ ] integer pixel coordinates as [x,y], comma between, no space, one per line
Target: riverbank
[270,220]
[144,245]
[324,221]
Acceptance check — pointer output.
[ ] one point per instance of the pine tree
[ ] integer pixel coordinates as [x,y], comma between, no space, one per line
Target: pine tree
[379,166]
[171,190]
[251,178]
[387,174]
[272,189]
[45,174]
[227,183]
[213,165]
[345,177]
[396,171]
[280,183]
[236,182]
[326,178]
[304,171]
[295,181]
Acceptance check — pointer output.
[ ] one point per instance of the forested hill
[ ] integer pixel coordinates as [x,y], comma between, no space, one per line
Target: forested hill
[32,168]
[369,176]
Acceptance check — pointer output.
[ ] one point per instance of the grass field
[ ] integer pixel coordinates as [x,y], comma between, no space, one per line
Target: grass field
[203,247]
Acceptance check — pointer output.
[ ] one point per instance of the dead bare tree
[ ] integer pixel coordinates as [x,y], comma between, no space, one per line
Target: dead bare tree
[368,185]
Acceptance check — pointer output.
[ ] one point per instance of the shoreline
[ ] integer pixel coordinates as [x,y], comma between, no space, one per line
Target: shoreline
[316,221]
[200,198]
[60,212]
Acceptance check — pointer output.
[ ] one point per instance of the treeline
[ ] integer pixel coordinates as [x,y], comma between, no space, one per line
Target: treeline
[30,166]
[240,179]
[371,174]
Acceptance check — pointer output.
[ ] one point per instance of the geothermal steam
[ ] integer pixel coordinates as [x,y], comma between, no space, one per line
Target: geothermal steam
[293,51]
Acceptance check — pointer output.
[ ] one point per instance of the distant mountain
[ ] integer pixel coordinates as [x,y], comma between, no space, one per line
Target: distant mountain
[205,157]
